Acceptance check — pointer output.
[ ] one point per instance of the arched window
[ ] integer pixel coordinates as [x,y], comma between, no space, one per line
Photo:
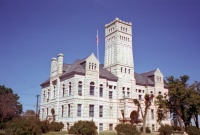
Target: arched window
[80,88]
[129,71]
[125,70]
[159,93]
[63,92]
[54,92]
[70,88]
[44,96]
[95,66]
[121,69]
[89,65]
[101,90]
[92,88]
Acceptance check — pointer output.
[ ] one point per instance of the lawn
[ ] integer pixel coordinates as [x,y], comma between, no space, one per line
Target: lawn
[56,133]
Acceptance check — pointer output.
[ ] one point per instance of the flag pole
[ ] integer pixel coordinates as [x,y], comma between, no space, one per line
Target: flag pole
[97,39]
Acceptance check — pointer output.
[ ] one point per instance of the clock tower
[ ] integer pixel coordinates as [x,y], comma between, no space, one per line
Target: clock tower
[118,49]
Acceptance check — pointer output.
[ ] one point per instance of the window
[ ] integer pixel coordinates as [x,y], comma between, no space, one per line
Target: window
[140,97]
[54,92]
[152,114]
[63,92]
[121,69]
[100,111]
[70,88]
[139,91]
[80,88]
[62,111]
[110,94]
[42,113]
[159,92]
[44,96]
[101,90]
[123,93]
[110,126]
[89,65]
[129,71]
[100,126]
[92,88]
[128,94]
[69,110]
[153,127]
[91,110]
[47,112]
[79,110]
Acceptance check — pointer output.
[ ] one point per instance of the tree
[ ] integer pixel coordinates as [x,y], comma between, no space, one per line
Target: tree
[183,101]
[162,104]
[9,105]
[147,101]
[23,126]
[29,113]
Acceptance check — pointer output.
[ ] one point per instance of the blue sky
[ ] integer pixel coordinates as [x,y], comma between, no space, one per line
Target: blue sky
[166,35]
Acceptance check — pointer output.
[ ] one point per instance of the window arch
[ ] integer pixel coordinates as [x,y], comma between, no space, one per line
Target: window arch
[63,90]
[159,92]
[92,88]
[80,88]
[101,90]
[70,88]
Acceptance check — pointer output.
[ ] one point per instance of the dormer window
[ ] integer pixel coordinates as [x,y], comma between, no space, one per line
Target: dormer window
[89,65]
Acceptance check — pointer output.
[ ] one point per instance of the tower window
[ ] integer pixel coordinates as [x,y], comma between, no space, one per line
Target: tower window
[110,94]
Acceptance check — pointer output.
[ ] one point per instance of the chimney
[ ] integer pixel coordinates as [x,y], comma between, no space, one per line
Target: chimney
[60,63]
[53,66]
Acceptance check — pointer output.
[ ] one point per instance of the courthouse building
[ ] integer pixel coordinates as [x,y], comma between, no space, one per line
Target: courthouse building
[103,93]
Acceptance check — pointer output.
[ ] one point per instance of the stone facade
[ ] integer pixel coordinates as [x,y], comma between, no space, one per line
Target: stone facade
[88,90]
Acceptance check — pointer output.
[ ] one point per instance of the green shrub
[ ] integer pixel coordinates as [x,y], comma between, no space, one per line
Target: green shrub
[56,126]
[44,126]
[165,130]
[192,130]
[23,126]
[147,130]
[176,128]
[126,129]
[83,128]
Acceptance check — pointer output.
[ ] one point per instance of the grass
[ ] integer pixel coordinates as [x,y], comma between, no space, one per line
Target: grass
[2,132]
[108,133]
[56,133]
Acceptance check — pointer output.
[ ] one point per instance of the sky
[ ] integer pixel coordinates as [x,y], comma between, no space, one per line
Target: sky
[166,35]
